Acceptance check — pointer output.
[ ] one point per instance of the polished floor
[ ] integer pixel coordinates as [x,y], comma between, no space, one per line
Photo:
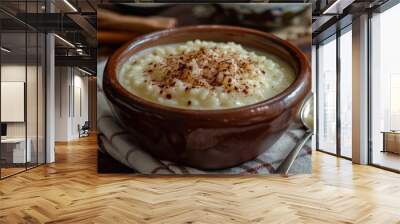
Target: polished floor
[5,172]
[387,159]
[71,191]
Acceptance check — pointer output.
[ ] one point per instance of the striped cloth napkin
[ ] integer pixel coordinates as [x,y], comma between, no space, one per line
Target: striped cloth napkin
[115,141]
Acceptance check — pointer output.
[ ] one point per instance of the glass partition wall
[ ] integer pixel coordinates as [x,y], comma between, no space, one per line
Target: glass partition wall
[326,95]
[334,94]
[22,77]
[385,89]
[345,92]
[13,86]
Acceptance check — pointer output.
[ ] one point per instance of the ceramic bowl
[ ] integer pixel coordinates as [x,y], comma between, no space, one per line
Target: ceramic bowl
[208,139]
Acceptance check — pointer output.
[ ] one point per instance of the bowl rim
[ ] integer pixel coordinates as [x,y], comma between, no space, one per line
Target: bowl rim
[110,78]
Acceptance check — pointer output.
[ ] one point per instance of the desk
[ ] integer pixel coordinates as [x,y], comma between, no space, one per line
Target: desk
[391,141]
[13,150]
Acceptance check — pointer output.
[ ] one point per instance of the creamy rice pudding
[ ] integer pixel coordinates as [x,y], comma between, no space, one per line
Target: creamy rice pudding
[205,75]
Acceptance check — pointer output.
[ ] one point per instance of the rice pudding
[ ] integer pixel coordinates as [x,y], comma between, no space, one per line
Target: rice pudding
[205,75]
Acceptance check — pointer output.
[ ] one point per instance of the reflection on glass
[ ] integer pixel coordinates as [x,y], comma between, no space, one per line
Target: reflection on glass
[23,90]
[385,84]
[41,99]
[327,96]
[31,97]
[15,150]
[346,94]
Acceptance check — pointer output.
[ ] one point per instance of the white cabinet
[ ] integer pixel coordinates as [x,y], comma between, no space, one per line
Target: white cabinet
[19,155]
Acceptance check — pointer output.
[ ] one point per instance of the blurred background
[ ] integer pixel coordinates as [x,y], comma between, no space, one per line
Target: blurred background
[119,23]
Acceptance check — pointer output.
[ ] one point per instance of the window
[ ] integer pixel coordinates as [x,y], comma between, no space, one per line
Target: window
[346,93]
[327,96]
[333,106]
[385,89]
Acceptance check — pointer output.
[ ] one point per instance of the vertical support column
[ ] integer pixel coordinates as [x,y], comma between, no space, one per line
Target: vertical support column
[360,90]
[50,99]
[50,93]
[92,102]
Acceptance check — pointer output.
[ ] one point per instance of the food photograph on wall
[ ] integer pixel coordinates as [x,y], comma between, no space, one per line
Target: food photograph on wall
[189,89]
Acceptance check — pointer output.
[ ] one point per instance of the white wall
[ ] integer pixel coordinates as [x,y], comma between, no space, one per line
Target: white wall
[62,81]
[80,103]
[70,83]
[12,73]
[13,101]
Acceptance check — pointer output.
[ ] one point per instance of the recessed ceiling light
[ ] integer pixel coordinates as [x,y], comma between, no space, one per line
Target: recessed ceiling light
[333,6]
[70,5]
[64,40]
[5,50]
[84,71]
[337,7]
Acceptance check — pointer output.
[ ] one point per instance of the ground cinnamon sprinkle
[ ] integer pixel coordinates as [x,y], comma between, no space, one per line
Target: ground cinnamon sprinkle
[205,75]
[205,67]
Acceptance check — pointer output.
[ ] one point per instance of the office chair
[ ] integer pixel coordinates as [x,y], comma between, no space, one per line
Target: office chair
[84,130]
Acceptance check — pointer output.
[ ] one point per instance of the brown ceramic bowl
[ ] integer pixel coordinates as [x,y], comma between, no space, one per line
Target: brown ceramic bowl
[208,139]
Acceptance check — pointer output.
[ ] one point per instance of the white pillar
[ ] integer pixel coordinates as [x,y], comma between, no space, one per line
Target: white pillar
[50,92]
[50,98]
[360,90]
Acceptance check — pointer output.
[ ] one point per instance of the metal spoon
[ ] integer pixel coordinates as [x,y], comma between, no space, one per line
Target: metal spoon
[306,114]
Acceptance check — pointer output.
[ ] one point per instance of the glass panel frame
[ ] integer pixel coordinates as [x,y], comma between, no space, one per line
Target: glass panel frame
[345,93]
[326,107]
[340,136]
[33,62]
[32,98]
[14,146]
[383,69]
